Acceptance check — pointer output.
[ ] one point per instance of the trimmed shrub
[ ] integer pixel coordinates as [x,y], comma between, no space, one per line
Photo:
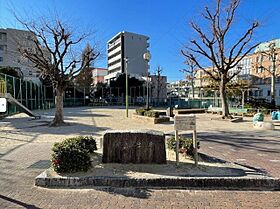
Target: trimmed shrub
[140,111]
[73,154]
[185,145]
[86,142]
[151,113]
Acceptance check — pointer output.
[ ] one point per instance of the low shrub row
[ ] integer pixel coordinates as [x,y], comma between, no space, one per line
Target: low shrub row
[185,145]
[147,112]
[73,154]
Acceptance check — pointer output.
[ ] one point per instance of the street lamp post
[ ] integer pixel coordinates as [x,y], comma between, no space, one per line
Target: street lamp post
[126,86]
[147,57]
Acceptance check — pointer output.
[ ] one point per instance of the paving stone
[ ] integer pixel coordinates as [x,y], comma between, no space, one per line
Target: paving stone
[17,188]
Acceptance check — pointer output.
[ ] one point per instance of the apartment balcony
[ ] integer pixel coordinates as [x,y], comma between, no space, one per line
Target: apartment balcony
[114,51]
[111,45]
[117,65]
[114,58]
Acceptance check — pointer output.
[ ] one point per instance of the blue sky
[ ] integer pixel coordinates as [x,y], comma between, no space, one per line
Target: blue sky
[165,22]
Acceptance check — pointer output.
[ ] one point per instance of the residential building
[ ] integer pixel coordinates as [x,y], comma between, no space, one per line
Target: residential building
[11,40]
[245,68]
[98,75]
[177,89]
[254,69]
[260,71]
[126,50]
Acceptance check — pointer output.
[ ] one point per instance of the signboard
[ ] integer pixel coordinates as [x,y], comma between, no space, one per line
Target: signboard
[184,123]
[3,105]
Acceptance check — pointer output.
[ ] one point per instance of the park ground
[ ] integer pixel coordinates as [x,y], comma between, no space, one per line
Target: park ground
[25,146]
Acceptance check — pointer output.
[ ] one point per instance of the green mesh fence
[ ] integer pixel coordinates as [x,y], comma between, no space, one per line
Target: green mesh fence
[36,96]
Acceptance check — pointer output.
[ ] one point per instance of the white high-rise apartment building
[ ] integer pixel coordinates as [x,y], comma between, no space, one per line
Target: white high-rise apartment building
[10,42]
[130,46]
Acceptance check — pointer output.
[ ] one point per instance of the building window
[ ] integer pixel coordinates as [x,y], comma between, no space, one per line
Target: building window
[268,93]
[3,47]
[3,36]
[256,93]
[1,59]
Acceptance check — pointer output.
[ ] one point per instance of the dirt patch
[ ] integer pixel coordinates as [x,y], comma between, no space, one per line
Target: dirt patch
[208,167]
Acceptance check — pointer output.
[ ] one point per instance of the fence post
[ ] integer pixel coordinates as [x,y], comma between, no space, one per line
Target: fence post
[39,96]
[31,98]
[177,147]
[84,96]
[26,96]
[74,96]
[20,91]
[14,88]
[6,84]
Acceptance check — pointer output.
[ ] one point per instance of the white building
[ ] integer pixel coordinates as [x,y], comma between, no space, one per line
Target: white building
[245,68]
[98,75]
[130,46]
[10,42]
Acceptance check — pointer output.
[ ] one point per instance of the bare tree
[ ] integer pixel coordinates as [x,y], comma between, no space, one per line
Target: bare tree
[190,73]
[84,78]
[54,45]
[216,48]
[159,82]
[271,54]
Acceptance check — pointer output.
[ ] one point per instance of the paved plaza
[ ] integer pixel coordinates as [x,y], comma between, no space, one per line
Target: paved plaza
[25,152]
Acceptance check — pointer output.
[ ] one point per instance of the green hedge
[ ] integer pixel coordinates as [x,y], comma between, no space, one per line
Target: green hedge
[185,145]
[73,154]
[140,111]
[147,112]
[151,113]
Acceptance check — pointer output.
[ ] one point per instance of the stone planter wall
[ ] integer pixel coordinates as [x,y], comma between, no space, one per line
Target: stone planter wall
[150,119]
[144,146]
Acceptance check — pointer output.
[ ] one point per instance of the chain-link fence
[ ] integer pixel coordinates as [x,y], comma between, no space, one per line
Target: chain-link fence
[36,96]
[26,92]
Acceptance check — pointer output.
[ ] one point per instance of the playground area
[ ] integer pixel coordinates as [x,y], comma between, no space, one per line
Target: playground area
[26,144]
[234,142]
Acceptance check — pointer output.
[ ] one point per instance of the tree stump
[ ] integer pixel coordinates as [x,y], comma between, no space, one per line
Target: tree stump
[143,146]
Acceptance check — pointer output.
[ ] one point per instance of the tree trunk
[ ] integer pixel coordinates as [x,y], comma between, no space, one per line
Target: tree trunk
[225,110]
[59,115]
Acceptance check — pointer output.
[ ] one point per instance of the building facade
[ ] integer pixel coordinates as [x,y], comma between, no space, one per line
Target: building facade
[262,68]
[254,68]
[98,75]
[11,40]
[126,50]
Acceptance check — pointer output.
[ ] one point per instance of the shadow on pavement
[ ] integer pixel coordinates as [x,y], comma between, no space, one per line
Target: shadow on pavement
[141,193]
[17,202]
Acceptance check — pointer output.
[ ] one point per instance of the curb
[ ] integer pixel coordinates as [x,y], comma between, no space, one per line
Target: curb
[225,183]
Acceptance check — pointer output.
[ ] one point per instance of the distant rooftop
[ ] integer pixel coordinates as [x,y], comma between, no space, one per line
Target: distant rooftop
[125,32]
[265,45]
